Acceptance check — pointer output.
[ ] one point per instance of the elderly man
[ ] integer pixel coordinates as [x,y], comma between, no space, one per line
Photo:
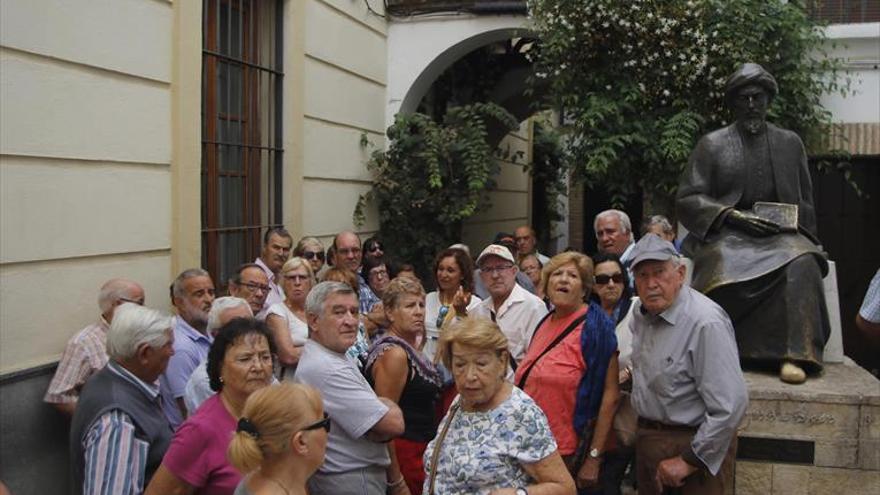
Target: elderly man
[688,389]
[747,201]
[251,284]
[224,310]
[348,254]
[527,243]
[506,240]
[614,233]
[119,434]
[277,243]
[356,458]
[192,294]
[86,352]
[515,310]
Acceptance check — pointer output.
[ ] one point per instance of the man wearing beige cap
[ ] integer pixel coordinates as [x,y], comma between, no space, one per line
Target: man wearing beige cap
[688,389]
[515,310]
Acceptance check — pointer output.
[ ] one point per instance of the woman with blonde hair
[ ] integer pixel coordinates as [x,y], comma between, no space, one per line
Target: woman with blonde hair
[280,439]
[287,319]
[494,439]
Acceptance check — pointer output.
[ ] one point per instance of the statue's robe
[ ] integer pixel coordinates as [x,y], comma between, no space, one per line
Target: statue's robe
[770,286]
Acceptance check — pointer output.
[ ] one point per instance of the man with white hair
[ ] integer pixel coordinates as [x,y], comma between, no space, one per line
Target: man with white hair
[356,458]
[86,352]
[192,293]
[118,434]
[614,233]
[224,310]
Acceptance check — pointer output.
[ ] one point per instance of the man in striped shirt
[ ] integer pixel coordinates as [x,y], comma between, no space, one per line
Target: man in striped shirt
[118,434]
[86,352]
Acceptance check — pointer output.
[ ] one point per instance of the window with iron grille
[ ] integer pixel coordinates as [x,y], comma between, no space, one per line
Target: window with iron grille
[241,130]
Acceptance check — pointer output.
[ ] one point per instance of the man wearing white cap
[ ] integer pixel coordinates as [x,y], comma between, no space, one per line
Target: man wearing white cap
[688,389]
[516,311]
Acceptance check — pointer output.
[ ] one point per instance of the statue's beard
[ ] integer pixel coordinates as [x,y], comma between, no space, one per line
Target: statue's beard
[753,125]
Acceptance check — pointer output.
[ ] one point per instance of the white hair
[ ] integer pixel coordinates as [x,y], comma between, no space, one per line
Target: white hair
[222,304]
[177,285]
[625,224]
[114,290]
[134,326]
[320,293]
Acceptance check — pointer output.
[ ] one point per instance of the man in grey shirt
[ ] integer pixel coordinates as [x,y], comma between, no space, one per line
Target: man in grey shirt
[688,389]
[356,458]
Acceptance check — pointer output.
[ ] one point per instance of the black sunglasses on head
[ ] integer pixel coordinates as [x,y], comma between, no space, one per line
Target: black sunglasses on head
[324,423]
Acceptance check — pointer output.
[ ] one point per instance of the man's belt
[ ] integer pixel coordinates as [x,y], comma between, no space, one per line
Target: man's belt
[657,425]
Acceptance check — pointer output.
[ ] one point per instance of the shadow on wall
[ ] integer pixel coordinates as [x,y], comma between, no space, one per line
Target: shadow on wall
[33,435]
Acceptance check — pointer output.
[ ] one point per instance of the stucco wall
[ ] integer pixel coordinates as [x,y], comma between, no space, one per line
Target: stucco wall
[85,155]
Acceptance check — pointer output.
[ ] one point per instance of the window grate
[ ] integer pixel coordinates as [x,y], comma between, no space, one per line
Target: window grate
[242,74]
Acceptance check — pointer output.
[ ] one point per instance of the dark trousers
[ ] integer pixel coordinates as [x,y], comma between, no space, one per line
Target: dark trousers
[654,445]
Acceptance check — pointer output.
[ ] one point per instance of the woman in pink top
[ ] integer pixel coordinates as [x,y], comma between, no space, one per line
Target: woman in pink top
[570,368]
[239,363]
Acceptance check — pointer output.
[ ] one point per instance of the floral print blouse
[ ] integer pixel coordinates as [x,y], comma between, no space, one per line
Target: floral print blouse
[484,451]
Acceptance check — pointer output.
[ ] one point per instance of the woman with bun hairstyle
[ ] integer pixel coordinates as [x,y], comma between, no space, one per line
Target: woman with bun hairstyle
[280,440]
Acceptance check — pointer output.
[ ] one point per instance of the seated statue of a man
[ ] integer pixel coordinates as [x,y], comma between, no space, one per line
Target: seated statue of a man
[746,199]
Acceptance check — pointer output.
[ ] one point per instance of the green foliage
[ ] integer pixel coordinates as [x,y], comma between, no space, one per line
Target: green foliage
[640,81]
[432,177]
[549,176]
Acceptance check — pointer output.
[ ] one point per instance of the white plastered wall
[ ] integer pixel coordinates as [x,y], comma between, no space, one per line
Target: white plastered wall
[85,156]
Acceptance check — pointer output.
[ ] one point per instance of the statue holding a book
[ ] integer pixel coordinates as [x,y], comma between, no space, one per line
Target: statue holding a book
[746,199]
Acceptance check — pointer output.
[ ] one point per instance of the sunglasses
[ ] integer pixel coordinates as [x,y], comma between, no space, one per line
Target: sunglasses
[441,316]
[310,255]
[324,423]
[605,279]
[375,247]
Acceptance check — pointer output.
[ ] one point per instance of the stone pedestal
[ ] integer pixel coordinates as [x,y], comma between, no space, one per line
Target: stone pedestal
[822,437]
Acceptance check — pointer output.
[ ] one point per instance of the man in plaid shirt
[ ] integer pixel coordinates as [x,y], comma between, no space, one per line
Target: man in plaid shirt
[86,352]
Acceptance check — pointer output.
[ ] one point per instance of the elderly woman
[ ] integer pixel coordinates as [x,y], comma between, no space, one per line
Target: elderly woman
[570,367]
[398,371]
[531,266]
[239,363]
[287,319]
[280,439]
[311,249]
[494,439]
[376,272]
[454,272]
[611,286]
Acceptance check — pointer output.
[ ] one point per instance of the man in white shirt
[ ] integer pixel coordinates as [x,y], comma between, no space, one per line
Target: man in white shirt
[516,311]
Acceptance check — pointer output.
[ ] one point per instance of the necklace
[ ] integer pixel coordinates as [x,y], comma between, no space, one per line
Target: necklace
[273,480]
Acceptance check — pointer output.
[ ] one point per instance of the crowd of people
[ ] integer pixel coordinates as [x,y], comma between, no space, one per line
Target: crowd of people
[334,372]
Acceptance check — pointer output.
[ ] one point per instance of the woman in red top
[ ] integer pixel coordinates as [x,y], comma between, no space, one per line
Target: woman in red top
[570,368]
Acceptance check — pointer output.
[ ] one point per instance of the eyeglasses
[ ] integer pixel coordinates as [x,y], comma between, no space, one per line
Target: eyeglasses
[604,279]
[310,255]
[255,286]
[380,272]
[139,302]
[324,423]
[441,316]
[375,247]
[494,270]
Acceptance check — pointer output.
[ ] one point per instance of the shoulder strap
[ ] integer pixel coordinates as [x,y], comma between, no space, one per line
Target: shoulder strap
[570,328]
[435,456]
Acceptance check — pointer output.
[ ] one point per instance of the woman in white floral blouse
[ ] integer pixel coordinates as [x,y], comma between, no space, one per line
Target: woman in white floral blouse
[494,440]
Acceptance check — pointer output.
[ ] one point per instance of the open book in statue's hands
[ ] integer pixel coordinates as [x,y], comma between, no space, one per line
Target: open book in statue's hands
[783,214]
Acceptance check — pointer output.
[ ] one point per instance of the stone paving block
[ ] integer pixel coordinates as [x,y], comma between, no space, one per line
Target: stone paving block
[830,481]
[753,478]
[790,480]
[842,453]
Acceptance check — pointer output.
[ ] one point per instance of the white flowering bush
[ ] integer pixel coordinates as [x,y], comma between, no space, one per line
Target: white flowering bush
[639,81]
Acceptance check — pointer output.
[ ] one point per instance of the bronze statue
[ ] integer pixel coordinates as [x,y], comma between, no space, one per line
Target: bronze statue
[746,199]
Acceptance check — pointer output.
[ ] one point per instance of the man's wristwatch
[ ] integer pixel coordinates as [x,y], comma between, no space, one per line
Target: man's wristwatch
[522,491]
[595,454]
